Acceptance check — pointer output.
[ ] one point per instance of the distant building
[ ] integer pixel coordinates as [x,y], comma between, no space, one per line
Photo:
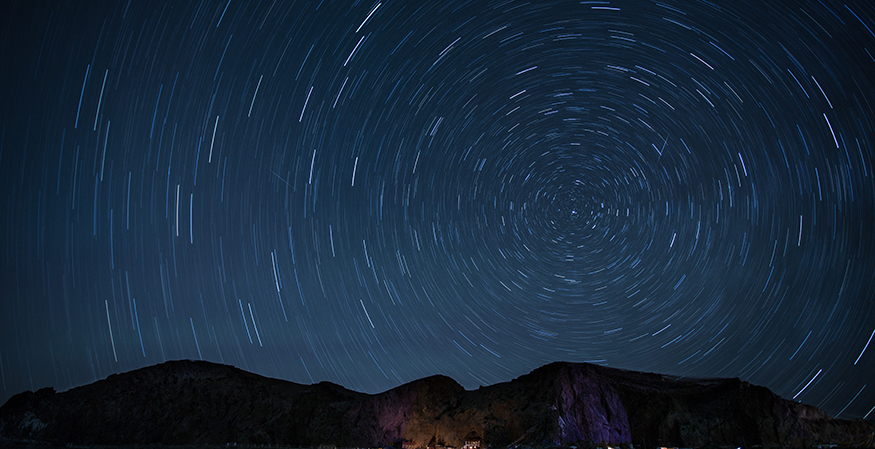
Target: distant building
[472,443]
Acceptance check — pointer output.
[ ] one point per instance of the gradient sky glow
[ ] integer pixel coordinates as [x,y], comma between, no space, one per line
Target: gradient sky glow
[373,192]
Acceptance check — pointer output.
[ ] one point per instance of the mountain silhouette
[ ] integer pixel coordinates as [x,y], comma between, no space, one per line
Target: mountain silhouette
[196,402]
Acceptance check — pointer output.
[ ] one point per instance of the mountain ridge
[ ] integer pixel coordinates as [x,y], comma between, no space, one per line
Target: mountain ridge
[561,403]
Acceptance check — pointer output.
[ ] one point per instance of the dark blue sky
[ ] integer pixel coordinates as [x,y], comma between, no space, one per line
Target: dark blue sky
[373,192]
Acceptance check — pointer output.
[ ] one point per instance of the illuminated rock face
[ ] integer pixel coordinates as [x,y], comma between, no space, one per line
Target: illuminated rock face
[561,403]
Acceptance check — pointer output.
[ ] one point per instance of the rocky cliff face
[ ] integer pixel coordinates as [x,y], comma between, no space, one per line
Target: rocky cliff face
[559,404]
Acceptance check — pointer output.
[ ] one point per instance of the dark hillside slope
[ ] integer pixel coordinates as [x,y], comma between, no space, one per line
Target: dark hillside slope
[186,402]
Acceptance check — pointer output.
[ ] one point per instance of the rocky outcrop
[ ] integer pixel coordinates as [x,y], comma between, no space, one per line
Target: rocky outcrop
[188,402]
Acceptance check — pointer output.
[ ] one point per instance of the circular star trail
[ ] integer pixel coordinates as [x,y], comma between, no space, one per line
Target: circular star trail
[369,193]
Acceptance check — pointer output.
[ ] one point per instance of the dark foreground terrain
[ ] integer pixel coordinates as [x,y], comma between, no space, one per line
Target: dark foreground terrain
[201,403]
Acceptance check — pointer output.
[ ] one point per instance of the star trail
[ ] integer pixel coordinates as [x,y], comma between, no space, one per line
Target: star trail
[373,192]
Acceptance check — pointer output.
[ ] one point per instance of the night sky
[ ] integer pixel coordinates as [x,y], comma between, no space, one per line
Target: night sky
[373,192]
